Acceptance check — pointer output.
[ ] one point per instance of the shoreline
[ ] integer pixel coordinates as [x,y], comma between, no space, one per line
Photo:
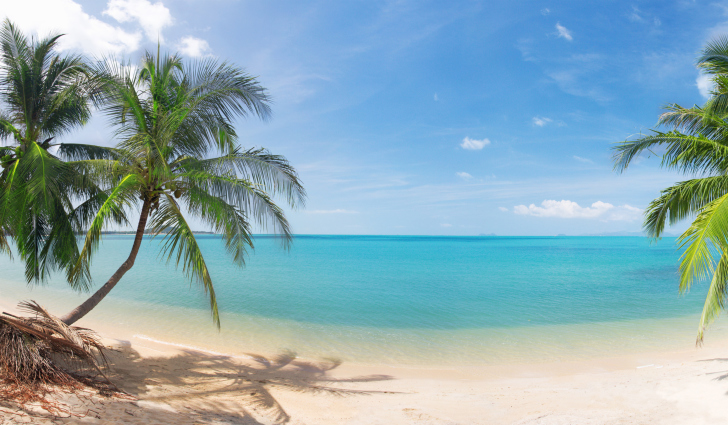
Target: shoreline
[179,384]
[206,343]
[544,369]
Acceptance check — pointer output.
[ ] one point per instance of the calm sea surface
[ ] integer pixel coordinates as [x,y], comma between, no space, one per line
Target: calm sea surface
[411,300]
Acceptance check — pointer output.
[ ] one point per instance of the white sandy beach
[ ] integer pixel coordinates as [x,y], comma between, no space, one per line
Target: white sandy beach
[177,386]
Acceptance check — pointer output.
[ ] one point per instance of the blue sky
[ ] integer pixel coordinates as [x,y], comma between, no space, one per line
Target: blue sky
[433,118]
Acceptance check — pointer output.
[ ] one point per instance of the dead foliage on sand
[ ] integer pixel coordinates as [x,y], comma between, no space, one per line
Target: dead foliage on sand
[40,355]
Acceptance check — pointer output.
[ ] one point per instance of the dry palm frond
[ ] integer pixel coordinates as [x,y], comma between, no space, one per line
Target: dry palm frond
[40,353]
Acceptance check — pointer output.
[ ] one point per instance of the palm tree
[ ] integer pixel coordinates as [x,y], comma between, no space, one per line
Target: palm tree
[170,119]
[44,95]
[694,141]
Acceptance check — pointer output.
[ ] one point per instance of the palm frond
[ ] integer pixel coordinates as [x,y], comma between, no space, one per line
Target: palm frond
[713,58]
[695,121]
[682,200]
[79,152]
[709,230]
[716,298]
[272,173]
[685,153]
[180,244]
[110,211]
[224,219]
[245,196]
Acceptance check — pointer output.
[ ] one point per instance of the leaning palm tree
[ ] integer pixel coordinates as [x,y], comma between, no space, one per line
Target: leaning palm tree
[178,156]
[694,141]
[43,95]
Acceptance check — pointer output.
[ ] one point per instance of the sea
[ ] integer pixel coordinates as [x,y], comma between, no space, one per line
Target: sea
[399,300]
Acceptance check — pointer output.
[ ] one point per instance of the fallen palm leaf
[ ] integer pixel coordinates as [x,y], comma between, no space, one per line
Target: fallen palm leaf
[40,353]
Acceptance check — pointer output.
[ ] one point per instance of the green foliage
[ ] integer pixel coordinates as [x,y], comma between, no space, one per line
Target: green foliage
[695,144]
[43,95]
[178,153]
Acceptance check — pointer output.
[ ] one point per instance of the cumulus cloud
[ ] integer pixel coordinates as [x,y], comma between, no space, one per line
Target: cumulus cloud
[473,144]
[463,175]
[563,32]
[705,85]
[92,36]
[541,121]
[570,209]
[151,17]
[83,31]
[194,47]
[337,211]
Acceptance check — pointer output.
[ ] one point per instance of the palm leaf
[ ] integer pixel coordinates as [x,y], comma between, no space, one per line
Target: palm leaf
[181,245]
[111,211]
[709,229]
[682,200]
[717,292]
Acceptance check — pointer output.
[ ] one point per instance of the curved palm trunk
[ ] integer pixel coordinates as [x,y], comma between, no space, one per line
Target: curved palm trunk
[99,295]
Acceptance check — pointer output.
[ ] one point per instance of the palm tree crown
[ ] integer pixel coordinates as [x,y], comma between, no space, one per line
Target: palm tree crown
[43,95]
[178,156]
[694,141]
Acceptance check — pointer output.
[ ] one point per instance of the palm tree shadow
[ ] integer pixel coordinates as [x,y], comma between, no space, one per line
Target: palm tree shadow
[722,375]
[205,385]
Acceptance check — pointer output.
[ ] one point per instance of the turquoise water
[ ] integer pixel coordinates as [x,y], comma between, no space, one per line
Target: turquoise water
[403,299]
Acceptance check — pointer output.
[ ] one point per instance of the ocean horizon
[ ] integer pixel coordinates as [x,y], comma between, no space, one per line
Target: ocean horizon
[421,300]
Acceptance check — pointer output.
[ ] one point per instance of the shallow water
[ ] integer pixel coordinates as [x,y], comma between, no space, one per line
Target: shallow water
[411,300]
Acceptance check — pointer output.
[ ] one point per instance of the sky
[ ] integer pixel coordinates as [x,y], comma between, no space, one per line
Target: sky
[432,118]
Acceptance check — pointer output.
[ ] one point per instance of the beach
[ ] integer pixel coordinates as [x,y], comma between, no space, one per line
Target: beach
[178,386]
[390,212]
[579,331]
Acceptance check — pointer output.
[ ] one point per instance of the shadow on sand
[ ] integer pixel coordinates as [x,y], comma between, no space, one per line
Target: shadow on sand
[226,389]
[196,388]
[722,375]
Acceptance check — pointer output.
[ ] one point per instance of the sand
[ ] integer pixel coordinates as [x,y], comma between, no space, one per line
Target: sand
[169,385]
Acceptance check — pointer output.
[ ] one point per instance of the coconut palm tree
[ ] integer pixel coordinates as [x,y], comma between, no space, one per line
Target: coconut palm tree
[43,95]
[694,141]
[177,157]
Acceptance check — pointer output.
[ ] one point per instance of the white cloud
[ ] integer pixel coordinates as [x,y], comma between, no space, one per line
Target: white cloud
[570,209]
[545,11]
[337,211]
[83,31]
[636,15]
[643,18]
[625,213]
[541,121]
[446,225]
[474,145]
[151,17]
[575,81]
[585,160]
[193,47]
[563,209]
[436,98]
[563,32]
[463,175]
[705,85]
[504,209]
